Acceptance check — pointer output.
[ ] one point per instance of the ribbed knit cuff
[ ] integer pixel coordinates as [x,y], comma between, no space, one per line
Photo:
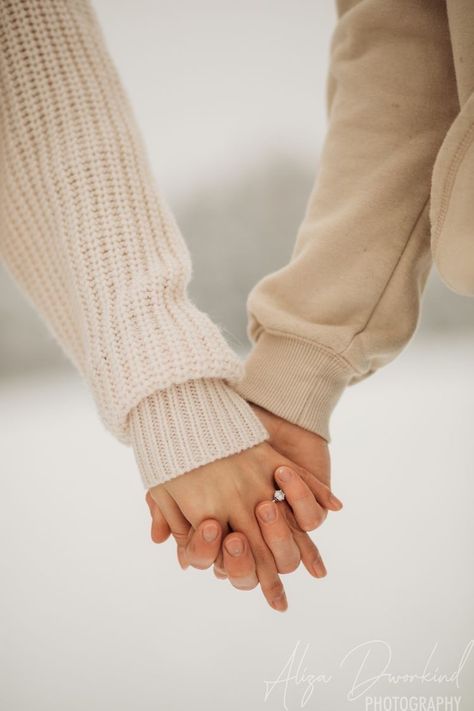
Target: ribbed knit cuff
[295,379]
[186,426]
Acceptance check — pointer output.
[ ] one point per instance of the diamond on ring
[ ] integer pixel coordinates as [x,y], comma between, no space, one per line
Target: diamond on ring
[278,495]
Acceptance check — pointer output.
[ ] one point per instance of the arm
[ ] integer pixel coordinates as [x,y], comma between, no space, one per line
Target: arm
[86,234]
[349,299]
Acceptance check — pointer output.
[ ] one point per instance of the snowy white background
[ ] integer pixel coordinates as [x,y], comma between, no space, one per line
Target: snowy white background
[92,614]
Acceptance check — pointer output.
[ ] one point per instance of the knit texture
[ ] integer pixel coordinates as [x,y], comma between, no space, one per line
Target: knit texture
[86,234]
[182,427]
[305,393]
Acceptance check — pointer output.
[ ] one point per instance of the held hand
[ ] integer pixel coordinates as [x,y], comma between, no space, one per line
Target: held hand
[229,490]
[201,547]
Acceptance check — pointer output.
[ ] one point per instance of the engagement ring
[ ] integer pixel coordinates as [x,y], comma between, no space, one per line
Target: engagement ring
[278,495]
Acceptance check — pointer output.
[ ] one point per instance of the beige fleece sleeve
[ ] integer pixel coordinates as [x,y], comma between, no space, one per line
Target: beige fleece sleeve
[88,237]
[348,301]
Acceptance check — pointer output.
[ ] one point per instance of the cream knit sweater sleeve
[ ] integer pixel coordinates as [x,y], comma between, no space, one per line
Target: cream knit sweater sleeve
[86,234]
[349,299]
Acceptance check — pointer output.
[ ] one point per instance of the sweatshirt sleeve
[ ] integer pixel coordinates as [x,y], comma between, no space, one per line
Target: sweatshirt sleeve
[93,244]
[348,301]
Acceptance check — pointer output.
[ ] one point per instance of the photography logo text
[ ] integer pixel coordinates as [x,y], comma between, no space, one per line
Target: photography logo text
[368,676]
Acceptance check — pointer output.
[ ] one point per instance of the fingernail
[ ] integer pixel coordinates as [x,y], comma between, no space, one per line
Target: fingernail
[319,568]
[280,603]
[267,512]
[335,501]
[284,474]
[209,532]
[234,546]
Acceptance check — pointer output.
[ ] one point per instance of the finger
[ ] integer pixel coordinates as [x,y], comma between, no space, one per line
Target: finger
[305,449]
[204,544]
[219,573]
[160,531]
[267,573]
[301,447]
[308,513]
[181,555]
[219,570]
[179,525]
[238,561]
[278,536]
[322,492]
[310,555]
[151,502]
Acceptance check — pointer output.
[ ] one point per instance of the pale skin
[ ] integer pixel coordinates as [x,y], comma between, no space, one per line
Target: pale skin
[222,513]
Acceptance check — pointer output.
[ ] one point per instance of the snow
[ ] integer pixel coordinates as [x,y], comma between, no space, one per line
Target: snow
[94,616]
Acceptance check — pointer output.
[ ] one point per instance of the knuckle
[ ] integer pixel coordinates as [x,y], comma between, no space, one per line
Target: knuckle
[180,538]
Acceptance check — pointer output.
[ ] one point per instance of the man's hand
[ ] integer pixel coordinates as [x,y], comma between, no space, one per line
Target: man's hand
[310,453]
[307,450]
